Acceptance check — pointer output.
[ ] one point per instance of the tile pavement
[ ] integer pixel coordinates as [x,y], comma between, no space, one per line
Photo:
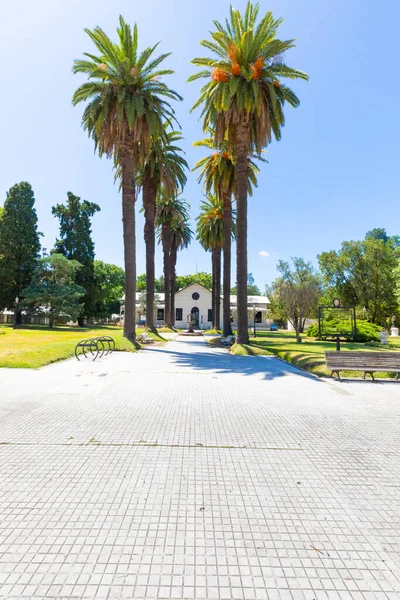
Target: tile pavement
[185,473]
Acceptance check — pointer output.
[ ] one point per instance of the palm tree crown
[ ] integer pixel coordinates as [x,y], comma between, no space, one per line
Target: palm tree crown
[171,208]
[181,234]
[124,90]
[209,228]
[217,170]
[127,107]
[245,76]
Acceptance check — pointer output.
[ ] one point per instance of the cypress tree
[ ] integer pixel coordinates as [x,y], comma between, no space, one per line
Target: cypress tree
[76,243]
[19,245]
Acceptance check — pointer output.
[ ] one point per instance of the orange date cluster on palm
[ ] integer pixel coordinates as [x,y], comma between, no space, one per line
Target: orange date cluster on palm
[256,68]
[236,70]
[231,52]
[219,75]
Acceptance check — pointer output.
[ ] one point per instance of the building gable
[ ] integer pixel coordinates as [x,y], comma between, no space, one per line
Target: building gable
[202,288]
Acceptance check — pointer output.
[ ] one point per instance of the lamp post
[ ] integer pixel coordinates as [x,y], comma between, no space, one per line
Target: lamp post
[254,320]
[16,311]
[336,304]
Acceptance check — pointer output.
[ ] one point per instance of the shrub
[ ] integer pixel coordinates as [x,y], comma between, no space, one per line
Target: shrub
[366,332]
[312,330]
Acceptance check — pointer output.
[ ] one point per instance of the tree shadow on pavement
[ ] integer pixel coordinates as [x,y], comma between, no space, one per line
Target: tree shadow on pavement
[270,367]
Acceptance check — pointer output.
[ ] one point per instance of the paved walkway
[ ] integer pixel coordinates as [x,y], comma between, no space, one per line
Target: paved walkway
[184,472]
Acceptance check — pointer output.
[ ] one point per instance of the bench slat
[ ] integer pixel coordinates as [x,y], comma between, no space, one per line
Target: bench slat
[363,361]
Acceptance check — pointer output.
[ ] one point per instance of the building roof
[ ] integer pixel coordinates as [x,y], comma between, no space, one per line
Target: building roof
[193,283]
[257,301]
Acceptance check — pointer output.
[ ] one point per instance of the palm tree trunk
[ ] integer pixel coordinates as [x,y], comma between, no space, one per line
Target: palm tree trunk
[173,259]
[218,288]
[213,312]
[149,205]
[17,318]
[227,327]
[165,238]
[242,150]
[128,222]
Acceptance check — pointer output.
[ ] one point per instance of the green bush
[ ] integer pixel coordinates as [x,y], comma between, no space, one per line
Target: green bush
[366,332]
[312,330]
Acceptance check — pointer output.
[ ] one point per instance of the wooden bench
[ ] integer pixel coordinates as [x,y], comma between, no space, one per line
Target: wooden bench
[368,362]
[144,338]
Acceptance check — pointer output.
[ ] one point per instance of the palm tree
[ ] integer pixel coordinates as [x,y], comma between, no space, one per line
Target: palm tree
[218,173]
[165,166]
[128,104]
[244,100]
[180,237]
[210,233]
[170,209]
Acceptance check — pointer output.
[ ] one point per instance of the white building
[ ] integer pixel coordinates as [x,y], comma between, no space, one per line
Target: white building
[196,300]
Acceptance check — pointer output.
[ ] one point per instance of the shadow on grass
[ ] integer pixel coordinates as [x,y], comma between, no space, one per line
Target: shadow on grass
[224,363]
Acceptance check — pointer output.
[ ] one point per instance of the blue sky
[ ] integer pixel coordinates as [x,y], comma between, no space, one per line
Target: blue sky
[333,176]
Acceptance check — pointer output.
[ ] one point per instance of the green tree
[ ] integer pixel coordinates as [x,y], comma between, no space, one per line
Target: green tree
[252,288]
[181,236]
[128,105]
[109,282]
[362,274]
[165,166]
[202,277]
[19,245]
[217,171]
[170,210]
[159,284]
[243,101]
[294,296]
[397,289]
[141,282]
[76,243]
[378,233]
[210,233]
[142,302]
[53,291]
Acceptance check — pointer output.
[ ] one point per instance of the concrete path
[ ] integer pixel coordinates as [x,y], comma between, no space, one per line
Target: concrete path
[184,472]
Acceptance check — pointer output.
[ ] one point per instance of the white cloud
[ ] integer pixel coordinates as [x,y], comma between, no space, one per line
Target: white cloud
[263,253]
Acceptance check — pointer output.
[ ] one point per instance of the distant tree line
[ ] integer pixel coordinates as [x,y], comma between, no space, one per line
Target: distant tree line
[67,284]
[364,274]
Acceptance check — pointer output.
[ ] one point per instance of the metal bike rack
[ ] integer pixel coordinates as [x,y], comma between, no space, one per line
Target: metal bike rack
[96,347]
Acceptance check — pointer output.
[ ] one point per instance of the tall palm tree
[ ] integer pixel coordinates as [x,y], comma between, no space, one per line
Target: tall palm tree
[180,237]
[170,210]
[164,167]
[210,233]
[128,104]
[244,100]
[217,171]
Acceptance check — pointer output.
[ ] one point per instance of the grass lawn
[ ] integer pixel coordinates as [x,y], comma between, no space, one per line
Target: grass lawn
[309,354]
[35,346]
